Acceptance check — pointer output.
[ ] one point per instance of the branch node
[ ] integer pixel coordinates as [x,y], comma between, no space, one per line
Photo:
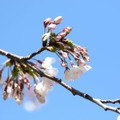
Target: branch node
[105,108]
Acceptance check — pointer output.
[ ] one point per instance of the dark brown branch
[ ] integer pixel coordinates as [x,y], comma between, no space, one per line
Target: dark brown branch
[9,55]
[34,53]
[74,91]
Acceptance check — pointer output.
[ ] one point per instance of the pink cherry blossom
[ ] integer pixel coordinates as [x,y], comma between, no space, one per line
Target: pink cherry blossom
[73,74]
[76,72]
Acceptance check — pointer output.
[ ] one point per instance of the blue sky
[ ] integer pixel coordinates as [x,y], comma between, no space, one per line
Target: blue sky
[96,25]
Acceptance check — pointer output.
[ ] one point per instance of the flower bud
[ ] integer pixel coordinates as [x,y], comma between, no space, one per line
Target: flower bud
[62,34]
[47,21]
[58,19]
[64,54]
[52,26]
[57,38]
[67,30]
[5,95]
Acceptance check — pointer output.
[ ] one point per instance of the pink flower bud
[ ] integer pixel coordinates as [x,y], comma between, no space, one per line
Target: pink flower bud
[51,22]
[52,26]
[57,38]
[63,34]
[47,21]
[64,54]
[67,29]
[63,63]
[58,19]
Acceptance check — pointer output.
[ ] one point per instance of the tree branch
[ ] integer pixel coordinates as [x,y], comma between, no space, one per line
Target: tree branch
[34,53]
[74,91]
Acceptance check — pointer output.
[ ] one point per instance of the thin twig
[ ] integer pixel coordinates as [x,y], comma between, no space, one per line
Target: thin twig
[111,101]
[34,53]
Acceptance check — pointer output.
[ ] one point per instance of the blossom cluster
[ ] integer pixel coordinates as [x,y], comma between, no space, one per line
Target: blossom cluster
[21,75]
[65,49]
[72,58]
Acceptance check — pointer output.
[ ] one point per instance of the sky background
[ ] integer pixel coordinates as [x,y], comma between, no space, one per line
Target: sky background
[96,25]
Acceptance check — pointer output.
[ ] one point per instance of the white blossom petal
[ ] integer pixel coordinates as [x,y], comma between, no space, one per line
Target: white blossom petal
[67,75]
[48,83]
[76,72]
[52,71]
[31,105]
[85,68]
[42,88]
[47,62]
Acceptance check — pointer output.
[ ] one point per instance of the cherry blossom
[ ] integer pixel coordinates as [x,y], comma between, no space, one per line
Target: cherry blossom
[75,72]
[24,74]
[41,89]
[67,75]
[47,62]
